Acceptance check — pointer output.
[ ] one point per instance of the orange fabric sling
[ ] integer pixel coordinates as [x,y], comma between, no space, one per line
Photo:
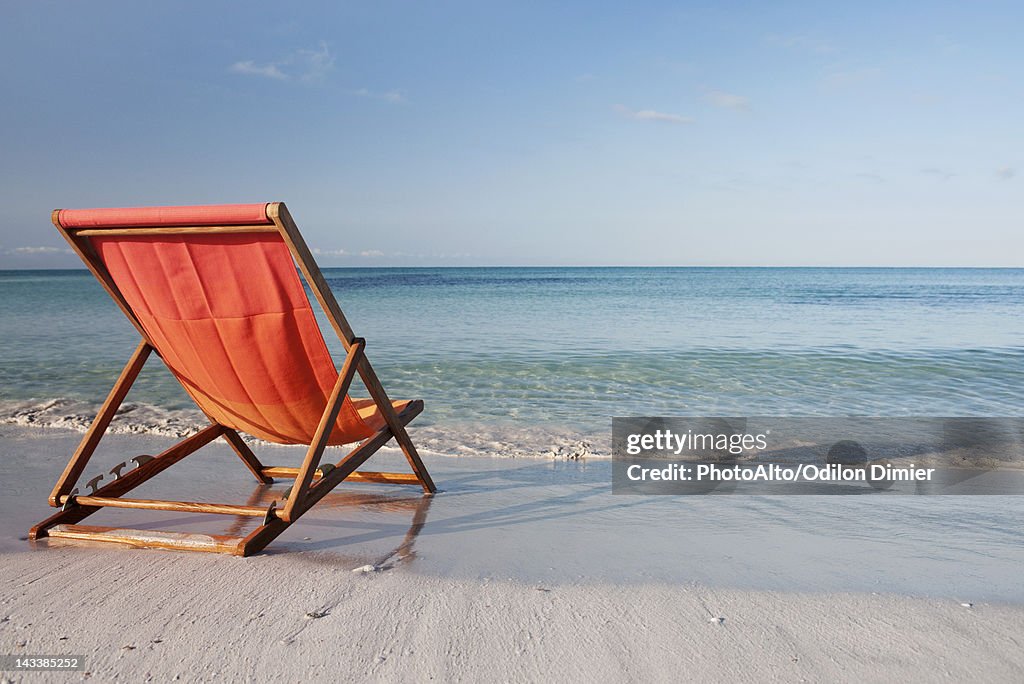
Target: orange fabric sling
[229,316]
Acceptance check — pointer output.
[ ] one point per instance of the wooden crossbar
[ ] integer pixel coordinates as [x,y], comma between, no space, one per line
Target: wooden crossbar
[160,505]
[245,453]
[173,230]
[357,476]
[148,538]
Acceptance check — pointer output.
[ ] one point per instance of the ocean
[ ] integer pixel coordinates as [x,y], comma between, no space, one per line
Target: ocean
[536,361]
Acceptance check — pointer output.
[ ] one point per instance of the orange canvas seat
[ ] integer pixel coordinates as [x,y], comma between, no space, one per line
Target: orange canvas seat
[214,291]
[203,300]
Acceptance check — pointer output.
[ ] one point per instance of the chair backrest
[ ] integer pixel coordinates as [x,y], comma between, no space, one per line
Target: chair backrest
[215,291]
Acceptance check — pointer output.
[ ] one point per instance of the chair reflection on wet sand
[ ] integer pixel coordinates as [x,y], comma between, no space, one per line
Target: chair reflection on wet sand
[339,501]
[214,291]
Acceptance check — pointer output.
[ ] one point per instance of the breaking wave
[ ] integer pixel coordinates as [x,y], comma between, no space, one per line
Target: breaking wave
[491,440]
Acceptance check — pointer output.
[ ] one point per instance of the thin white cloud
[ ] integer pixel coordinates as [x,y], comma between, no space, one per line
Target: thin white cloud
[803,43]
[366,253]
[1006,172]
[308,66]
[725,100]
[393,96]
[653,115]
[681,66]
[40,250]
[250,68]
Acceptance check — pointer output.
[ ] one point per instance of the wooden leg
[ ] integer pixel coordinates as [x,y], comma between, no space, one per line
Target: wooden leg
[323,434]
[92,437]
[415,462]
[260,537]
[245,453]
[380,397]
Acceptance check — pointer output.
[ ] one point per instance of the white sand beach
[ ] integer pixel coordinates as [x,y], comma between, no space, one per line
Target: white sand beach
[140,615]
[517,570]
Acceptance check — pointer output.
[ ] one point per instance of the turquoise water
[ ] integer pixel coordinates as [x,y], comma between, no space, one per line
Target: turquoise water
[517,360]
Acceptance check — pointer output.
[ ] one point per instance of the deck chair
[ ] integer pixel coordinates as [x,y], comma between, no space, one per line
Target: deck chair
[214,292]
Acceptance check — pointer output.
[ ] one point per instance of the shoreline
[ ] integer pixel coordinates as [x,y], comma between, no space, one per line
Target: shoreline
[494,440]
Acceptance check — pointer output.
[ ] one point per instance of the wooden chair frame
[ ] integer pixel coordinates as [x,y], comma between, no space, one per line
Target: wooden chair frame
[312,481]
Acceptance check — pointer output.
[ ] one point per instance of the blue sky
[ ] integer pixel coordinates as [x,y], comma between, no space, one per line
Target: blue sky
[531,133]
